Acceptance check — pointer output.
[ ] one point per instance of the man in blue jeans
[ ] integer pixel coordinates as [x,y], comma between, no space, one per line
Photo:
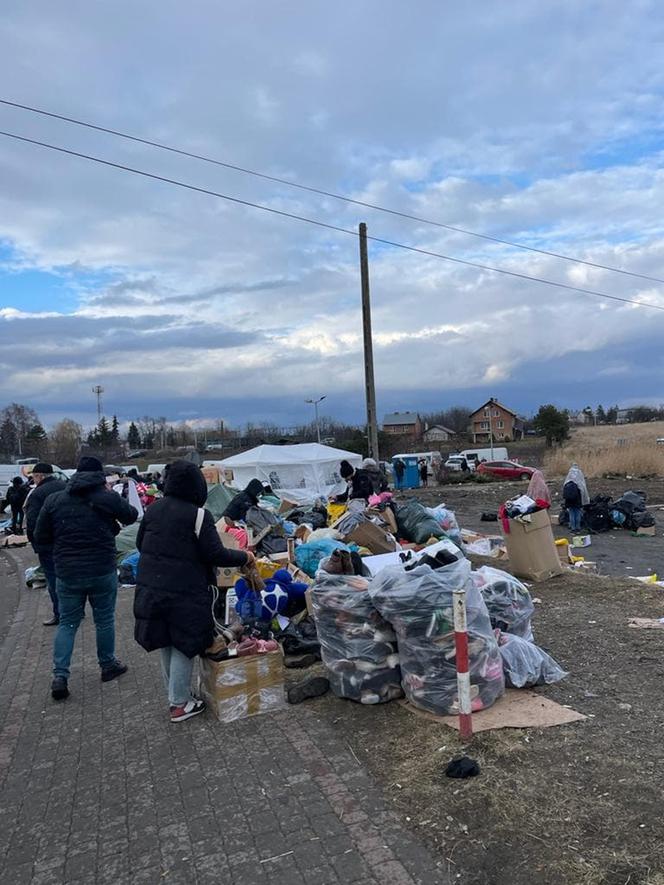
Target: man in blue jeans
[80,523]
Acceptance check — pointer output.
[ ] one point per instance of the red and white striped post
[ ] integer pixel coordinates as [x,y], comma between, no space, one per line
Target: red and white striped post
[463,673]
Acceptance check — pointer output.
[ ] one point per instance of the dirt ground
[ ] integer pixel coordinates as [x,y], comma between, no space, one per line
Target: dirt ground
[616,552]
[579,804]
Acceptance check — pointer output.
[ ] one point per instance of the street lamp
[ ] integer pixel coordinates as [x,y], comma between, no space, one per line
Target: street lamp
[314,403]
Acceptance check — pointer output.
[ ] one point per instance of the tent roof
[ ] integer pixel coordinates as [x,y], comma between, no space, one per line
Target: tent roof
[304,453]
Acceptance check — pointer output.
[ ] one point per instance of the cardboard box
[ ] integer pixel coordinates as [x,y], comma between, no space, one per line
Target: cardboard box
[371,536]
[226,577]
[241,687]
[531,549]
[646,530]
[287,505]
[387,517]
[211,475]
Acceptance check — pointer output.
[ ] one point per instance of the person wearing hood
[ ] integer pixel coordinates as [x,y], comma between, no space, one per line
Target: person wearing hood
[180,548]
[80,524]
[538,490]
[238,507]
[358,483]
[16,495]
[575,495]
[376,476]
[45,485]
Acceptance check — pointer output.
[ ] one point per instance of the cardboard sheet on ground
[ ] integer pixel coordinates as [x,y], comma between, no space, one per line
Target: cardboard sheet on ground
[518,708]
[646,623]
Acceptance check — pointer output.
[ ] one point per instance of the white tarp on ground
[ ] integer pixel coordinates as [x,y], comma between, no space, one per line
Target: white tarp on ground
[299,473]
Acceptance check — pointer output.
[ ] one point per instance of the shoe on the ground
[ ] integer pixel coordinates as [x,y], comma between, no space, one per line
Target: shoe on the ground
[299,663]
[192,708]
[59,690]
[113,671]
[52,622]
[312,688]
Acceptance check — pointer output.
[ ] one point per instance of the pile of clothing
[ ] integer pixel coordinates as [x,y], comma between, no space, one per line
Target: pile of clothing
[630,512]
[417,524]
[419,606]
[508,601]
[357,646]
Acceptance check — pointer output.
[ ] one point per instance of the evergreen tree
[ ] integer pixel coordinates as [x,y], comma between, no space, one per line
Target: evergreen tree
[552,424]
[612,415]
[115,430]
[104,433]
[601,415]
[133,437]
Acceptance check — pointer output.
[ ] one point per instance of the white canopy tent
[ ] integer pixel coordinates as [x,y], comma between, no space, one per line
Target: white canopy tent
[300,473]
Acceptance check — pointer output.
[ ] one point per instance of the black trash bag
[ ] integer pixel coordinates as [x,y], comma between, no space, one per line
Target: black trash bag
[629,503]
[597,514]
[643,520]
[415,524]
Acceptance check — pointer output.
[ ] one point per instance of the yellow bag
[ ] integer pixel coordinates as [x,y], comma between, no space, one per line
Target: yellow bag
[266,568]
[335,511]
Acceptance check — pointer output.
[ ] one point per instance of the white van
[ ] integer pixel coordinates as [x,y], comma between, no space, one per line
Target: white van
[155,468]
[433,459]
[498,453]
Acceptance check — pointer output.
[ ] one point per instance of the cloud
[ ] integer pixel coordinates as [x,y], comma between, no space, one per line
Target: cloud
[523,125]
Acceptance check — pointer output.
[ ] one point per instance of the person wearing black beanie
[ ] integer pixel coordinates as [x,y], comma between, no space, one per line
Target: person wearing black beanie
[45,485]
[80,523]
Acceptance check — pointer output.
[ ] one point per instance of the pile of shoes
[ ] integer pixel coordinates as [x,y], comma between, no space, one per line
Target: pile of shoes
[419,605]
[300,644]
[241,640]
[358,647]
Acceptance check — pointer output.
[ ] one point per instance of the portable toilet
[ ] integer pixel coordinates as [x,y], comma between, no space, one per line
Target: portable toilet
[411,476]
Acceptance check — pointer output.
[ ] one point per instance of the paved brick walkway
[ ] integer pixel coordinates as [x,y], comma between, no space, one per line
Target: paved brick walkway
[103,789]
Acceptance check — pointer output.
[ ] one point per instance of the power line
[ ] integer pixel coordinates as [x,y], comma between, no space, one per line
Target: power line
[314,190]
[323,224]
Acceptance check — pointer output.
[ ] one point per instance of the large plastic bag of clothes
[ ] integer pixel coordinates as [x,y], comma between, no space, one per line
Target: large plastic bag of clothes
[447,520]
[419,605]
[526,664]
[508,601]
[358,647]
[308,556]
[416,524]
[128,568]
[627,506]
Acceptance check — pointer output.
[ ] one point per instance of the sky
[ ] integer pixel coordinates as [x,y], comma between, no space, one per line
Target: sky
[542,124]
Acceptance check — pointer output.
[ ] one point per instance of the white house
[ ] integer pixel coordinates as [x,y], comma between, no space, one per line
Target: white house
[437,433]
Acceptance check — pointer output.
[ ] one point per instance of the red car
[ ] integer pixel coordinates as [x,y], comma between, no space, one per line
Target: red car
[505,469]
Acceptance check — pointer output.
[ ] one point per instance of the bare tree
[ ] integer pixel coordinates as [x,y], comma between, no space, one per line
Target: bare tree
[66,439]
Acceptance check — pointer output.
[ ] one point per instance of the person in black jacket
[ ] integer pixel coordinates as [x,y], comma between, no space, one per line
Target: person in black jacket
[238,507]
[81,523]
[45,486]
[180,548]
[359,483]
[16,495]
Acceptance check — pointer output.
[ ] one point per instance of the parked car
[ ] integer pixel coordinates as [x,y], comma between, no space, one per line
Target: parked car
[505,469]
[138,453]
[454,463]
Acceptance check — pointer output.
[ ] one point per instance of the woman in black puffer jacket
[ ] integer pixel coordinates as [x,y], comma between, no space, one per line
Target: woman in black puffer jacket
[173,602]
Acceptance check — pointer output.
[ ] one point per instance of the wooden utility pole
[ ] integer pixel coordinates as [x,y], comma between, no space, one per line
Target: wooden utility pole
[370,386]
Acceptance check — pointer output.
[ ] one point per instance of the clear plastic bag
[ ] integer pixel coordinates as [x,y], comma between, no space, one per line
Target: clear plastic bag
[447,520]
[508,601]
[419,605]
[526,664]
[358,647]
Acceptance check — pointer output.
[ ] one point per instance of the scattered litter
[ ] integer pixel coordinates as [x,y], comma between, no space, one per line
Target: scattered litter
[647,623]
[462,767]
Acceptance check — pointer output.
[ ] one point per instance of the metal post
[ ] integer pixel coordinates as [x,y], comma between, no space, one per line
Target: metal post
[370,386]
[463,674]
[317,424]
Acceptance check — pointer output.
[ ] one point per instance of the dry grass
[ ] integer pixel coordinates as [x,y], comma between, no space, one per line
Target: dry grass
[626,450]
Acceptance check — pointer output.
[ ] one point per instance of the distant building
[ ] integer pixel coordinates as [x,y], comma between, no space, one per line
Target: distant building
[403,424]
[493,419]
[437,433]
[580,418]
[624,416]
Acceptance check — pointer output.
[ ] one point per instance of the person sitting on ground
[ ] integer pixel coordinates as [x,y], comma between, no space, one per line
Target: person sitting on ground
[45,485]
[80,523]
[575,496]
[238,507]
[16,495]
[179,547]
[358,483]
